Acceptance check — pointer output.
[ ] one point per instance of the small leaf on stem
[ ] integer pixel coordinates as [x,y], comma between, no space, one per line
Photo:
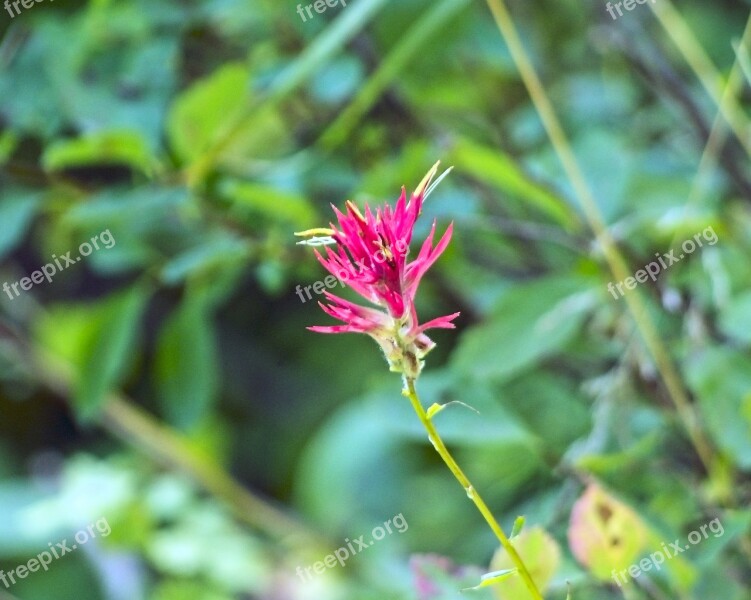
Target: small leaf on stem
[518,526]
[491,578]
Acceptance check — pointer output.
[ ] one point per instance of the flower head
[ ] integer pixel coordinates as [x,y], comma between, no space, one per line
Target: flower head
[370,255]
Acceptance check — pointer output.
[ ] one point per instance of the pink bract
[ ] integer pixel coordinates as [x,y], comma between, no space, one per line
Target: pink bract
[370,255]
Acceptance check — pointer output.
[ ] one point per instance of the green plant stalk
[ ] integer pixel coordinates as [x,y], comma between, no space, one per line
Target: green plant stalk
[714,465]
[741,54]
[411,393]
[409,44]
[325,46]
[678,31]
[718,132]
[137,428]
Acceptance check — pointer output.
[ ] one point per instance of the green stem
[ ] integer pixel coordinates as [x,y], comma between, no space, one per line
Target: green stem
[325,46]
[472,493]
[684,39]
[718,132]
[714,465]
[137,428]
[409,44]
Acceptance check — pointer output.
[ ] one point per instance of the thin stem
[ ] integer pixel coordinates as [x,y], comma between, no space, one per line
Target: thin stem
[717,134]
[410,42]
[684,39]
[472,493]
[326,45]
[139,429]
[615,260]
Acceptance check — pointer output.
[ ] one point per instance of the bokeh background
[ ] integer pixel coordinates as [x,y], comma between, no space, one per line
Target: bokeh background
[168,384]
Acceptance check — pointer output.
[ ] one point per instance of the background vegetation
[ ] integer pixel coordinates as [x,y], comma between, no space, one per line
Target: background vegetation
[202,134]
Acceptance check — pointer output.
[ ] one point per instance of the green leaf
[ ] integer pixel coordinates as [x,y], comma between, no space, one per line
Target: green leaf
[721,378]
[64,331]
[492,578]
[200,111]
[108,352]
[16,538]
[532,321]
[494,167]
[551,406]
[211,107]
[735,319]
[8,143]
[541,555]
[104,148]
[213,253]
[518,526]
[436,408]
[272,203]
[605,533]
[16,214]
[186,364]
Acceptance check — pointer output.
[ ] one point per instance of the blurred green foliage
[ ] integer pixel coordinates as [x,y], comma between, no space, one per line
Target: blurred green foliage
[201,135]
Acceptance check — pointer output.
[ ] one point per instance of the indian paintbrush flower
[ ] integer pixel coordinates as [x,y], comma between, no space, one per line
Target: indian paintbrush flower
[370,255]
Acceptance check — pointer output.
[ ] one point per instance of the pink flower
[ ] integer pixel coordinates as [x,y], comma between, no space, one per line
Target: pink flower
[370,255]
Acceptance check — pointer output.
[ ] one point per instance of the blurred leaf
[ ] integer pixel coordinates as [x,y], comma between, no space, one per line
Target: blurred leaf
[494,167]
[8,142]
[102,148]
[492,578]
[605,533]
[721,378]
[205,542]
[551,407]
[530,322]
[340,78]
[540,553]
[199,112]
[64,331]
[16,537]
[211,106]
[175,589]
[735,319]
[438,578]
[109,352]
[213,253]
[186,363]
[631,457]
[141,242]
[123,211]
[16,214]
[272,204]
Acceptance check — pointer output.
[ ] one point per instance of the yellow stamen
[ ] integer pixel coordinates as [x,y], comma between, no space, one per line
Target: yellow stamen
[386,251]
[355,210]
[426,180]
[315,231]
